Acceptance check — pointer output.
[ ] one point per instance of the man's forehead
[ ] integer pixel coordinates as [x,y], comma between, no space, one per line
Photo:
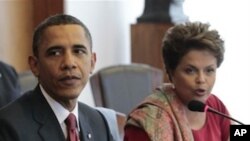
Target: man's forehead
[62,31]
[65,36]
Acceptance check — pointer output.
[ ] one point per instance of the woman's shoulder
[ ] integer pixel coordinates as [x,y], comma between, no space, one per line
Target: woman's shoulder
[162,92]
[154,107]
[214,102]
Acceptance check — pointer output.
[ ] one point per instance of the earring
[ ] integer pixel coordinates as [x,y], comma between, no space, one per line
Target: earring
[173,86]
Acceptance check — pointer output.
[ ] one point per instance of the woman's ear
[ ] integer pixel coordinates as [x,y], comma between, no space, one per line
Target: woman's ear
[169,75]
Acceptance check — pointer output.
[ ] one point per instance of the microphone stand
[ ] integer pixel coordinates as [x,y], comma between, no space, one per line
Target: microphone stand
[224,115]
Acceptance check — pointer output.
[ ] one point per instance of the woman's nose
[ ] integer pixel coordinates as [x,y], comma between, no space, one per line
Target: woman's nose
[201,78]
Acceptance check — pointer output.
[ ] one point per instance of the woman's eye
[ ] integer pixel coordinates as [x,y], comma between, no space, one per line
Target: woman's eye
[189,70]
[210,70]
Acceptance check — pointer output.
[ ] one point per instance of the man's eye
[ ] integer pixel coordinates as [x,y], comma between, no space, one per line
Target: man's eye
[54,53]
[80,51]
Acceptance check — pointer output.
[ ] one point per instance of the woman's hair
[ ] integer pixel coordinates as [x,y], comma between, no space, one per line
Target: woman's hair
[182,38]
[58,19]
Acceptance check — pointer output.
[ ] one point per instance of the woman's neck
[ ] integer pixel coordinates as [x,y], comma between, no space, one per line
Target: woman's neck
[196,119]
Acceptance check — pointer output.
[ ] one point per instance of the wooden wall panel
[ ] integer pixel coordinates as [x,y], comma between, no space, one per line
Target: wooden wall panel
[45,8]
[18,19]
[146,43]
[16,31]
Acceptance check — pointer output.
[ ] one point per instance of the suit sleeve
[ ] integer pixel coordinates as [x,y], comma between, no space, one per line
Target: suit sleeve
[6,132]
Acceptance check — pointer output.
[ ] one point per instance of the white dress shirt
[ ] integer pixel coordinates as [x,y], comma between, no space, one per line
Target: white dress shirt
[60,112]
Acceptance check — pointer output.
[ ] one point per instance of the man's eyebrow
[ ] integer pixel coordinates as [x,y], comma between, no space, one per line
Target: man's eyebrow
[79,46]
[53,48]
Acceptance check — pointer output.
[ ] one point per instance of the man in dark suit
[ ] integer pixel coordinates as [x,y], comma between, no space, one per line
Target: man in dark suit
[62,61]
[9,85]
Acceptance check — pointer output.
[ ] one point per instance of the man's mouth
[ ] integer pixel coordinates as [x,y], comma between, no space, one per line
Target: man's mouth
[69,80]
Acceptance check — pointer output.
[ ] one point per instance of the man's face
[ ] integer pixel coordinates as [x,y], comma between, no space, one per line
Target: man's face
[64,62]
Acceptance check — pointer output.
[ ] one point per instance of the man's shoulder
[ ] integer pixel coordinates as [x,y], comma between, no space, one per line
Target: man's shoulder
[96,121]
[17,105]
[6,68]
[4,65]
[86,109]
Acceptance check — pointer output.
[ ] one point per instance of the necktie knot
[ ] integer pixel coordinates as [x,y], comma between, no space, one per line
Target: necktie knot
[71,121]
[72,128]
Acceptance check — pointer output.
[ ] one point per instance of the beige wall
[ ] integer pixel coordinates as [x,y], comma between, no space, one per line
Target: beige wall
[16,27]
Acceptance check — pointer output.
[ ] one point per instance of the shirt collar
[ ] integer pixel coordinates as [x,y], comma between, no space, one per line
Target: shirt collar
[60,112]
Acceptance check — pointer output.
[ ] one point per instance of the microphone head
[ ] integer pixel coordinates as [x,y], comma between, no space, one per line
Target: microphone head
[196,106]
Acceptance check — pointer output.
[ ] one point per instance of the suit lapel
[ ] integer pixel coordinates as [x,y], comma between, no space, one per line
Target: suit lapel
[85,130]
[50,129]
[51,132]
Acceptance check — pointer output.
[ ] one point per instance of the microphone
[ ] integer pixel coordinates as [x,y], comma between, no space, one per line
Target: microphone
[198,106]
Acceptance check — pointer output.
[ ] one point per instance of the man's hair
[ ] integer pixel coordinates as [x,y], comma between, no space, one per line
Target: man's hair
[59,19]
[182,38]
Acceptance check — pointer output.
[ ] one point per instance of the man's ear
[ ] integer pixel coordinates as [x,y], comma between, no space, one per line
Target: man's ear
[93,61]
[33,63]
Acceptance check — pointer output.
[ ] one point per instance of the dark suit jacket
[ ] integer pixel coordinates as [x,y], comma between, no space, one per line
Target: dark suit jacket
[9,86]
[30,118]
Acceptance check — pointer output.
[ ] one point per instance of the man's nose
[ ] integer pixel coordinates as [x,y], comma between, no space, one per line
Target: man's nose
[68,61]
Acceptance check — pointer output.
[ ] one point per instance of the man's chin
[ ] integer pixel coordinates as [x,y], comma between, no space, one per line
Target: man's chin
[70,94]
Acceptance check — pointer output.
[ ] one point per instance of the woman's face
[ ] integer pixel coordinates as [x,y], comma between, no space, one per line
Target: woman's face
[195,75]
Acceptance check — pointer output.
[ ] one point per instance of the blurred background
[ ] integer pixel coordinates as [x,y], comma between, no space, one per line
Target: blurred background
[111,21]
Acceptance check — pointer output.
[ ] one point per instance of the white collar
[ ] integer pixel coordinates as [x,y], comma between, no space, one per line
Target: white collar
[60,112]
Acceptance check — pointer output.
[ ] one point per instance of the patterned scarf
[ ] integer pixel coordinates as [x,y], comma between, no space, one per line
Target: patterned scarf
[161,116]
